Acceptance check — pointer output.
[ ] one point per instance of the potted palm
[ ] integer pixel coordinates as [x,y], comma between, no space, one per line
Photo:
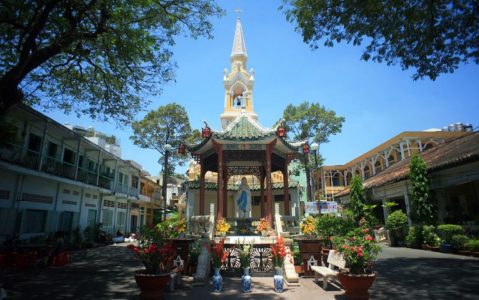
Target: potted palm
[359,250]
[156,254]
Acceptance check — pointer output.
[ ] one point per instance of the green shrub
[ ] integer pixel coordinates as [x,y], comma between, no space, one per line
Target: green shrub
[447,231]
[296,252]
[328,225]
[413,238]
[397,224]
[430,236]
[473,245]
[459,241]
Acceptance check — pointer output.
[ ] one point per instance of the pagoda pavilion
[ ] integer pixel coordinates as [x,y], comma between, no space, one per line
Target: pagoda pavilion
[242,148]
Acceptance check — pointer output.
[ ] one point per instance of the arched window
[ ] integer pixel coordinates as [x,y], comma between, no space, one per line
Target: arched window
[367,172]
[349,177]
[378,167]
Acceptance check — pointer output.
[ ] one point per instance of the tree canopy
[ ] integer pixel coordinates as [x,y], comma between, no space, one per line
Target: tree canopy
[432,37]
[95,57]
[311,122]
[169,124]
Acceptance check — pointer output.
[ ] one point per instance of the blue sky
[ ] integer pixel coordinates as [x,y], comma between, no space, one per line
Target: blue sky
[378,101]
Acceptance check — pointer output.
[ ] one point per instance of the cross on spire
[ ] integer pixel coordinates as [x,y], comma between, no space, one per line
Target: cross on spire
[238,11]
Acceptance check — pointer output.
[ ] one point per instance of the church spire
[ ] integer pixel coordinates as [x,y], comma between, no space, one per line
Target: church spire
[238,82]
[239,47]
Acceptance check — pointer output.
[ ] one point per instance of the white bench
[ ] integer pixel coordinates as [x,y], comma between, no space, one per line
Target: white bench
[335,259]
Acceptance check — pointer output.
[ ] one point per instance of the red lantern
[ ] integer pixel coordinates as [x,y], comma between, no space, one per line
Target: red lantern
[306,149]
[281,132]
[205,132]
[182,149]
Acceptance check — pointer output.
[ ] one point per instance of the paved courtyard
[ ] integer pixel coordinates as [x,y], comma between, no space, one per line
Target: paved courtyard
[106,273]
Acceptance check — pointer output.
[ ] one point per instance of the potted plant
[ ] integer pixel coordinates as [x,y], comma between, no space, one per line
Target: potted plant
[413,238]
[431,240]
[446,232]
[218,257]
[222,227]
[263,227]
[278,252]
[157,253]
[245,251]
[359,250]
[296,253]
[473,246]
[397,225]
[459,242]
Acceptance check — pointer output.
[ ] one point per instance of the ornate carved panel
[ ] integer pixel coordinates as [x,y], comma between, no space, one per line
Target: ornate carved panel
[244,170]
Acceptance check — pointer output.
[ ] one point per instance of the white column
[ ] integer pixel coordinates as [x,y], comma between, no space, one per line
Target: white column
[406,202]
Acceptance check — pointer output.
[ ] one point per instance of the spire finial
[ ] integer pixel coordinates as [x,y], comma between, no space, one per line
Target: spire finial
[238,12]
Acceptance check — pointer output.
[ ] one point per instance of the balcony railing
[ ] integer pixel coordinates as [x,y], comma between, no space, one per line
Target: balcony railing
[31,160]
[87,176]
[121,188]
[133,191]
[56,167]
[105,182]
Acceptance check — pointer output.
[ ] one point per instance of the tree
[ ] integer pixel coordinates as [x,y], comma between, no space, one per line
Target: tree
[311,122]
[423,209]
[356,198]
[93,57]
[168,125]
[432,37]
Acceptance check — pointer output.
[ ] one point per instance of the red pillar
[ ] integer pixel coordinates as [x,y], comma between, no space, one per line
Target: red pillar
[261,191]
[286,188]
[225,195]
[202,189]
[220,183]
[269,191]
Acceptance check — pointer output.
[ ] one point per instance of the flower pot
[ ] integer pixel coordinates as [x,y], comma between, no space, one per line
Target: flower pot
[217,280]
[298,269]
[278,280]
[446,248]
[246,281]
[356,286]
[152,286]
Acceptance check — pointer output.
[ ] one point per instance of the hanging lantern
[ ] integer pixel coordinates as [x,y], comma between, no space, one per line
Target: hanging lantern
[205,132]
[182,149]
[281,131]
[306,149]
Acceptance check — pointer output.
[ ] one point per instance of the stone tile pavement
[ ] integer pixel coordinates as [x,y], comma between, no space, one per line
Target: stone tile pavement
[107,273]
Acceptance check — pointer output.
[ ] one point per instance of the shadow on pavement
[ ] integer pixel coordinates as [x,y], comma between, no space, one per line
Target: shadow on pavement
[426,278]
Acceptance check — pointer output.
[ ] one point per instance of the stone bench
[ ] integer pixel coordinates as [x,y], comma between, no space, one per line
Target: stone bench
[335,260]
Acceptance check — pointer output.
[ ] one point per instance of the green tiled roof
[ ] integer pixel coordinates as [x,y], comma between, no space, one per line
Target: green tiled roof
[243,130]
[195,185]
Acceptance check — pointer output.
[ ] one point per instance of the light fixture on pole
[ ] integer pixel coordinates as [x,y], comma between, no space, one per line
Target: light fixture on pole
[314,147]
[167,148]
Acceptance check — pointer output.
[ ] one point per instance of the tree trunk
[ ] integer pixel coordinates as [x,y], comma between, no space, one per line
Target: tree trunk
[10,95]
[308,181]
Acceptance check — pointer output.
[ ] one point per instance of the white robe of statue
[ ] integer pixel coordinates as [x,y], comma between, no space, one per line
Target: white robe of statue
[243,200]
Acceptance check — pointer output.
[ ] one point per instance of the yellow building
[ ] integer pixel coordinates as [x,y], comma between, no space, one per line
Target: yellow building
[330,180]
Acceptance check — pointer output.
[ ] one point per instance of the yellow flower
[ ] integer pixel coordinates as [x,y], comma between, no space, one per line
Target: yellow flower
[308,225]
[222,225]
[263,225]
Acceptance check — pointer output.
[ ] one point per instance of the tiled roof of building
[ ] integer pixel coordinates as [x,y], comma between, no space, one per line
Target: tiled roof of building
[452,153]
